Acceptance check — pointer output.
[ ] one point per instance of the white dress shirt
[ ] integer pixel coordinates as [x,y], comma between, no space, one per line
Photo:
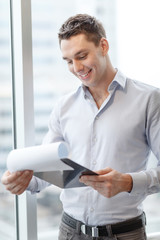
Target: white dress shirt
[121,135]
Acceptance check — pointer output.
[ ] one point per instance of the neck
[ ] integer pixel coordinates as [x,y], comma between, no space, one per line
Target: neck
[100,92]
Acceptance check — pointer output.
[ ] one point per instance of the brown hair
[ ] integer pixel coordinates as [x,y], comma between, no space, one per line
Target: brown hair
[82,23]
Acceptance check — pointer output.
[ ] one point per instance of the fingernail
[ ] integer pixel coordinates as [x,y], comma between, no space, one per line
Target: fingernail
[27,173]
[18,173]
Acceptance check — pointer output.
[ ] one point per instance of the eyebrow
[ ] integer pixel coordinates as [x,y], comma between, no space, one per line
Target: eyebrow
[78,53]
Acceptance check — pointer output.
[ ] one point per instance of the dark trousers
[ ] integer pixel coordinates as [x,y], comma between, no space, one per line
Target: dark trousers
[67,232]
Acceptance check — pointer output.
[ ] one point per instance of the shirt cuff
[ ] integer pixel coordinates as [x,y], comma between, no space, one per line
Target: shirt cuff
[139,183]
[33,186]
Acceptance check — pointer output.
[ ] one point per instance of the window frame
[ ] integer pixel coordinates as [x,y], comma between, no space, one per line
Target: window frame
[23,108]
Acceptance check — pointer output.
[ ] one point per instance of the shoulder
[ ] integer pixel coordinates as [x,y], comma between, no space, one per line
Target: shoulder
[149,94]
[67,100]
[146,91]
[142,87]
[70,97]
[144,95]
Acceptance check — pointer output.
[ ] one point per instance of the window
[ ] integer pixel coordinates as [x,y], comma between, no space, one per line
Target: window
[134,48]
[7,218]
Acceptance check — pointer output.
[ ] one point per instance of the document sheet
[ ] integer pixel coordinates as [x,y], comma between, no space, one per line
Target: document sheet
[39,158]
[49,162]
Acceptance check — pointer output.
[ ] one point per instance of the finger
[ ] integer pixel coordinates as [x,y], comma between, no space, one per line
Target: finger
[10,177]
[96,185]
[104,171]
[19,185]
[21,181]
[93,178]
[18,190]
[27,173]
[98,177]
[86,178]
[21,176]
[24,179]
[102,187]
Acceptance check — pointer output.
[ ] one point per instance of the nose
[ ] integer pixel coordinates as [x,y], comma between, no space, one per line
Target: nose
[77,66]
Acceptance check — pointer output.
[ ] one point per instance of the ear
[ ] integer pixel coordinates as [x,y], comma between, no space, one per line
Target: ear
[104,46]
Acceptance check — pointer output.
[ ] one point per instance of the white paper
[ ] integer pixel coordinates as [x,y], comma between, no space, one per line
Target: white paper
[39,158]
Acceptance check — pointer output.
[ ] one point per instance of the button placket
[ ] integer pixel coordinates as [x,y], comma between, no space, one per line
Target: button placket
[94,162]
[92,209]
[94,141]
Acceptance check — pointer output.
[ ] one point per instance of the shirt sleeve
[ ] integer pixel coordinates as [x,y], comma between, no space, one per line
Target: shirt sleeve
[53,135]
[148,182]
[36,185]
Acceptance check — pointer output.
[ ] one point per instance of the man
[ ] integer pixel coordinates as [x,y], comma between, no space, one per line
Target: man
[111,124]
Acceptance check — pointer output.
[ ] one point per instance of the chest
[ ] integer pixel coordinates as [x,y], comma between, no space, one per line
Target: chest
[116,120]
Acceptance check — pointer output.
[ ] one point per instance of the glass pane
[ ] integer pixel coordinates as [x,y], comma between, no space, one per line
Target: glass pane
[7,221]
[138,57]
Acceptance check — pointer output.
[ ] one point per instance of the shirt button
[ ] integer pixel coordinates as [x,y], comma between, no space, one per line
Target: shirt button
[94,162]
[97,118]
[92,209]
[94,139]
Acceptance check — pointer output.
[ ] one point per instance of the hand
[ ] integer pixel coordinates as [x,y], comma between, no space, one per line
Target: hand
[17,182]
[109,182]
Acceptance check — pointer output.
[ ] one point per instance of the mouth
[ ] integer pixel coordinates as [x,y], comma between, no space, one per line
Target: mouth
[84,76]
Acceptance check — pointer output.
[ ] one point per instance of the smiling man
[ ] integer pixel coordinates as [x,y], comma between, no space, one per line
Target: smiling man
[90,63]
[111,124]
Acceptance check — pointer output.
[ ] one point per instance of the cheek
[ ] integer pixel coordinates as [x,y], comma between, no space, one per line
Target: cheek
[70,68]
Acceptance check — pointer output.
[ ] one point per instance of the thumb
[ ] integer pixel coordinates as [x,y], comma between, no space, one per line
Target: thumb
[104,171]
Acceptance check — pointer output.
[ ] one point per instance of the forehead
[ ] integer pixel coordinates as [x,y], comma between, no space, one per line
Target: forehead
[75,44]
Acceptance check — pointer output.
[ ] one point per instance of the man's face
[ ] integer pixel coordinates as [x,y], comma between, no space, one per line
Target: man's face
[85,60]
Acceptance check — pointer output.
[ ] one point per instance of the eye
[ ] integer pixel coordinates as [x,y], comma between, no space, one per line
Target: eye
[82,57]
[69,62]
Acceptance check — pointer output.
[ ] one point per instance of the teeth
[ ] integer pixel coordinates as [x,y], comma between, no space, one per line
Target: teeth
[84,75]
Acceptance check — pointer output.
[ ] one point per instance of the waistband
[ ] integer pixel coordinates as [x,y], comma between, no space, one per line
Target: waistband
[106,230]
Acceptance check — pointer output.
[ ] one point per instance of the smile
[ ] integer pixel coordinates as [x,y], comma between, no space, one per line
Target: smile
[85,75]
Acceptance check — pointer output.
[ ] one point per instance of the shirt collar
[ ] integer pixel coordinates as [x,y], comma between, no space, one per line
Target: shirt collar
[85,91]
[119,79]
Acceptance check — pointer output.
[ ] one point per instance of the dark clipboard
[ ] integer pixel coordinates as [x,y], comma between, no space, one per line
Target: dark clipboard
[66,178]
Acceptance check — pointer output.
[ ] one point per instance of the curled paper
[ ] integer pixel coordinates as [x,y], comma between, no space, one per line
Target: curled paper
[39,158]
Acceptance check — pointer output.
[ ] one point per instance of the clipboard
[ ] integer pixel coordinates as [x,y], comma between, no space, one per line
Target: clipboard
[66,178]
